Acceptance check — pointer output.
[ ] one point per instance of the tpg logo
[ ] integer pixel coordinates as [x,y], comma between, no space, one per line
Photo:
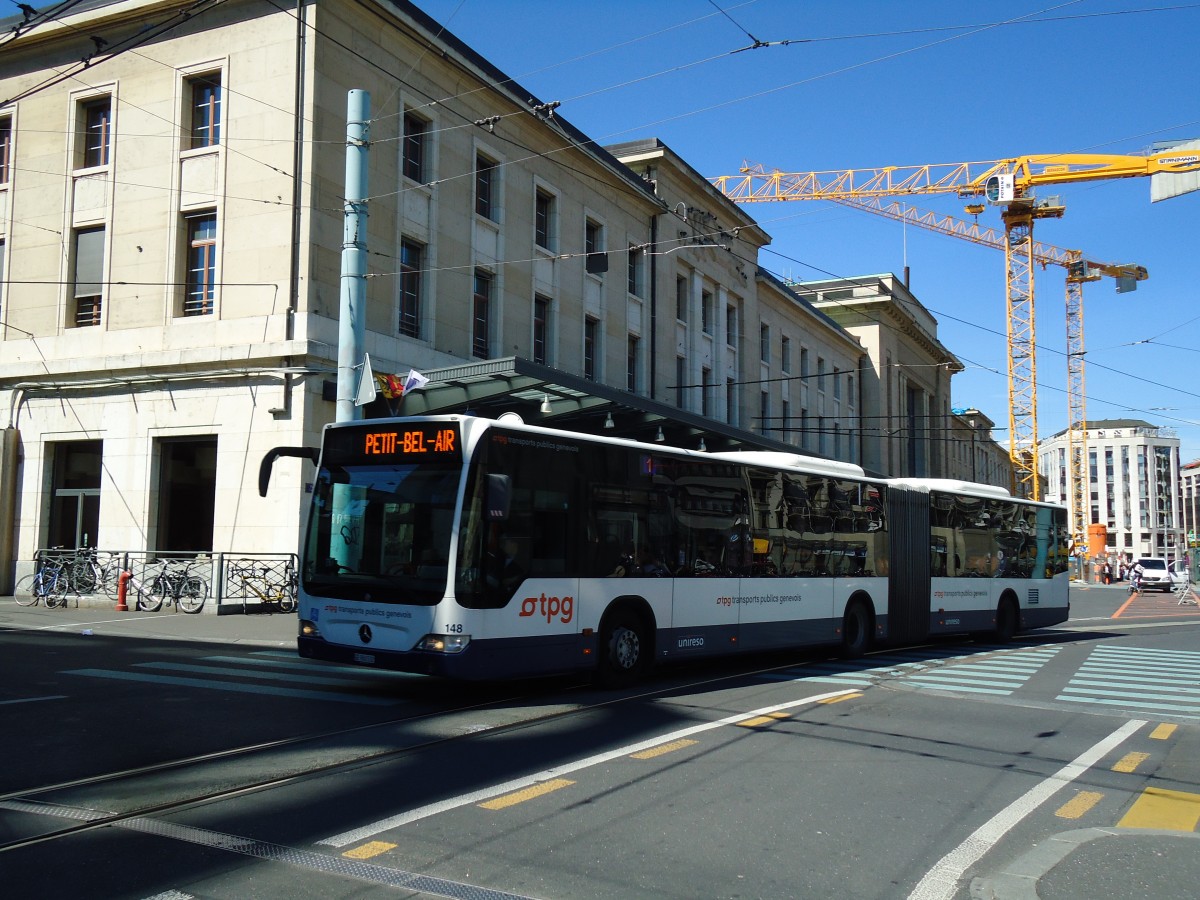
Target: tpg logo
[549,607]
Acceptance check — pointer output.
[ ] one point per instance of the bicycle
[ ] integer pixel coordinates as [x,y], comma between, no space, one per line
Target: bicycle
[175,582]
[48,584]
[266,582]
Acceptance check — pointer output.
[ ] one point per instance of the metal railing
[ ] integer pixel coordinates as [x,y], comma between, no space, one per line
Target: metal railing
[245,582]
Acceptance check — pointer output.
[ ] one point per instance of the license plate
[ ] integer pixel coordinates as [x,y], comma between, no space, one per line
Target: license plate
[364,657]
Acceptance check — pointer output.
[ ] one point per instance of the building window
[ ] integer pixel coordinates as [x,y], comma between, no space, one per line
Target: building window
[731,407]
[595,259]
[480,345]
[837,384]
[731,325]
[631,363]
[97,131]
[681,298]
[543,220]
[705,391]
[412,259]
[416,134]
[636,257]
[785,415]
[785,354]
[680,378]
[541,328]
[5,149]
[75,492]
[89,276]
[206,110]
[764,412]
[590,337]
[201,282]
[3,248]
[764,343]
[706,311]
[803,362]
[485,187]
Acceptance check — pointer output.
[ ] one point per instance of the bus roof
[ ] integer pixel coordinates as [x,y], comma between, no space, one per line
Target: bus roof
[951,485]
[780,460]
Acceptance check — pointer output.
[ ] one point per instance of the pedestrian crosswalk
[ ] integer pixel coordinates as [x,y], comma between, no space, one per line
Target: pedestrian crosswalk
[270,672]
[980,670]
[998,674]
[1140,679]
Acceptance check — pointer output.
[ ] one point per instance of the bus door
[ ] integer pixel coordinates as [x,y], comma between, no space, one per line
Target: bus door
[705,556]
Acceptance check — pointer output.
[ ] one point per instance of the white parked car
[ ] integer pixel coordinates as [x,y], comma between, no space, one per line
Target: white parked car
[1154,573]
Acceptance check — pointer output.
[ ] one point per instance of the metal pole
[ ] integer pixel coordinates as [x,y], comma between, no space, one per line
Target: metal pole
[352,314]
[352,311]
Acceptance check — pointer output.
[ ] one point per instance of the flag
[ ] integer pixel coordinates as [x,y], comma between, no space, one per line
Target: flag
[390,386]
[415,380]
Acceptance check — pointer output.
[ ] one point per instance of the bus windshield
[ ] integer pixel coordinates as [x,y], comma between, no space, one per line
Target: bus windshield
[381,532]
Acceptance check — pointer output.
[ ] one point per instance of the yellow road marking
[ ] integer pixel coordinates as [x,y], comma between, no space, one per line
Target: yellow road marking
[1078,805]
[764,720]
[841,698]
[366,851]
[663,748]
[1168,810]
[1163,731]
[528,794]
[1130,761]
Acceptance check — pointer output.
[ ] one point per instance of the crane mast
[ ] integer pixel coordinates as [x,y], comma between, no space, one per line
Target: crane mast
[1079,271]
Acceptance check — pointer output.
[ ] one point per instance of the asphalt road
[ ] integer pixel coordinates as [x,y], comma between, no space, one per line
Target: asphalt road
[196,756]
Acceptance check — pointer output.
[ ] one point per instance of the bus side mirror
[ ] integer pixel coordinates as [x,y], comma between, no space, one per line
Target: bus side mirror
[499,497]
[264,468]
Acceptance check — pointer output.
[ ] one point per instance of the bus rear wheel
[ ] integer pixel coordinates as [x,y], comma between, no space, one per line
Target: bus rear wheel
[856,630]
[624,650]
[1006,621]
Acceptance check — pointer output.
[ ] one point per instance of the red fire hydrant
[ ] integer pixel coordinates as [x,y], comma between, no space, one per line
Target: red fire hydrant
[123,590]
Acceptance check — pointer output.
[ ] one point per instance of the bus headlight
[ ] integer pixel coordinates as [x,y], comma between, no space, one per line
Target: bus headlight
[309,629]
[444,643]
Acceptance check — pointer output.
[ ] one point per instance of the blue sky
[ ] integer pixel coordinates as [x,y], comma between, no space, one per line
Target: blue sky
[866,84]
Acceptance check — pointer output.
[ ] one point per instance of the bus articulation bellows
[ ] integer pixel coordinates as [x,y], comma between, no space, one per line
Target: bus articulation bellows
[474,548]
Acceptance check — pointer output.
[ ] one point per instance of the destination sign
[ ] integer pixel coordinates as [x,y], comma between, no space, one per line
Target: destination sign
[394,443]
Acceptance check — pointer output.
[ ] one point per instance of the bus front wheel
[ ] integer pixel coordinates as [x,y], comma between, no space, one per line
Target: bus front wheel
[624,649]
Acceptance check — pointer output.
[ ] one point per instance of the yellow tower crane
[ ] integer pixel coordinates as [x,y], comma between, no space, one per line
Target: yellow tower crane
[1008,183]
[1079,271]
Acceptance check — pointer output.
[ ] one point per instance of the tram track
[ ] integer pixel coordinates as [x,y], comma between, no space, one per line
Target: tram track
[102,800]
[88,803]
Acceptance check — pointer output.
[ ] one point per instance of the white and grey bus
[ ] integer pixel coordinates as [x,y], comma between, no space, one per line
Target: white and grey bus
[474,548]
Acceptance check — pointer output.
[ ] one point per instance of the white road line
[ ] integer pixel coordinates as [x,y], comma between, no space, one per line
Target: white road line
[941,882]
[366,831]
[33,699]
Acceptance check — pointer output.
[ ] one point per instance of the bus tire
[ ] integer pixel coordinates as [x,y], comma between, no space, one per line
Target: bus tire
[624,649]
[1007,619]
[857,629]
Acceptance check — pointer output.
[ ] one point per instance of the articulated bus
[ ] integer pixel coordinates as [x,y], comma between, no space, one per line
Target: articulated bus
[474,548]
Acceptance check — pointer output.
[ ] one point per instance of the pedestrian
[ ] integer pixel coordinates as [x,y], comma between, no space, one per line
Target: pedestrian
[1107,572]
[1135,577]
